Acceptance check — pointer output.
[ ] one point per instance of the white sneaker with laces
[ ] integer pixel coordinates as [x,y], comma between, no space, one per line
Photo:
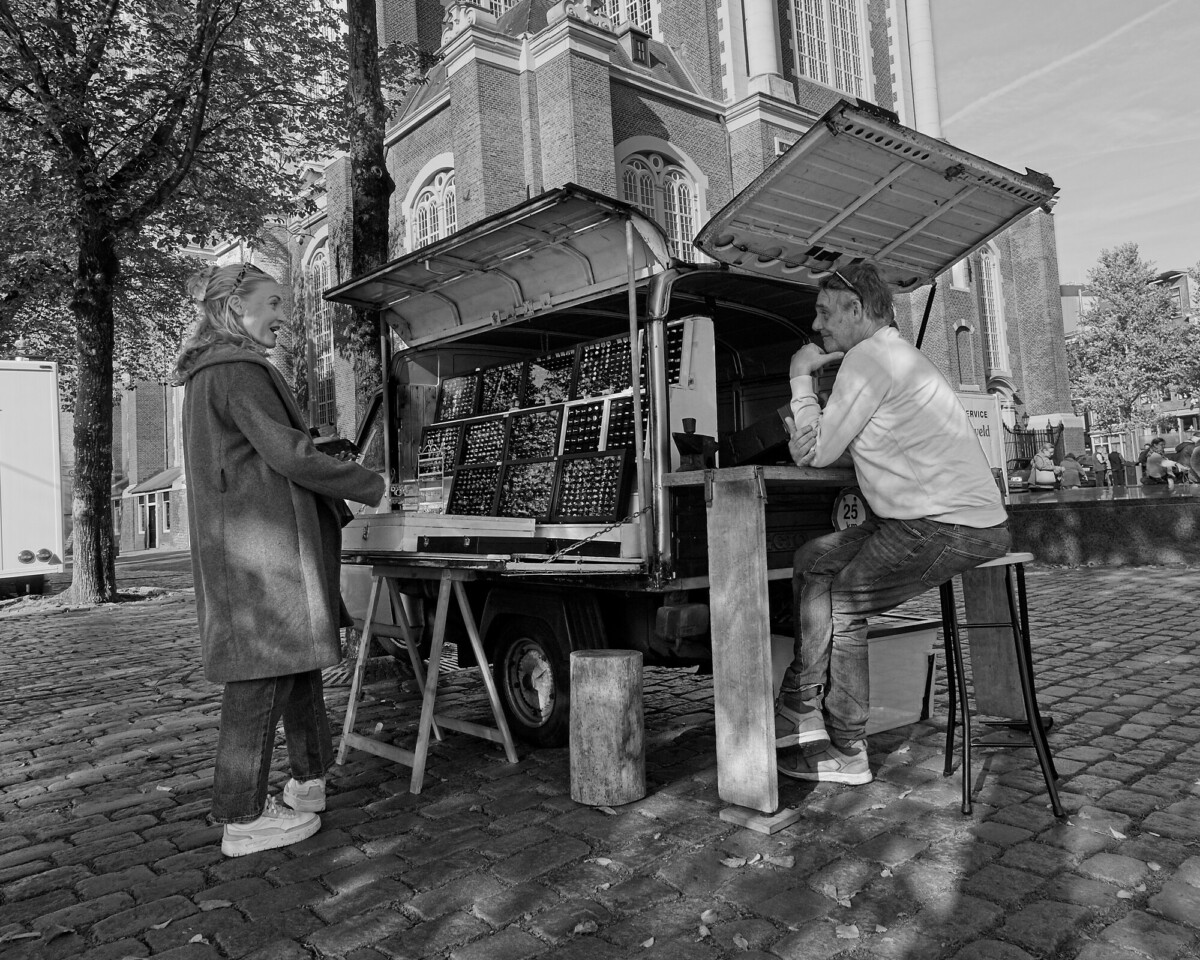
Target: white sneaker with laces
[277,827]
[307,797]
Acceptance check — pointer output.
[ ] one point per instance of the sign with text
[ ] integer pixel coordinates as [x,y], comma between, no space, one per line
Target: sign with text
[983,410]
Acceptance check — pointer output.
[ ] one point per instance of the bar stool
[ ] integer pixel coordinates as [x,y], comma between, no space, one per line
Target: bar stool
[1018,623]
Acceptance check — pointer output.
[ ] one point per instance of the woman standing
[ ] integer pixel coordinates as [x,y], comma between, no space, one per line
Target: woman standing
[265,515]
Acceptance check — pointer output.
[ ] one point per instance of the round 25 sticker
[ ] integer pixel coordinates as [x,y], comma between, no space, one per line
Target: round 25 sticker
[850,509]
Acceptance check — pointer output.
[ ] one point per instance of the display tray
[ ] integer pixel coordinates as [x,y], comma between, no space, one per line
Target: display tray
[526,489]
[473,490]
[592,487]
[458,397]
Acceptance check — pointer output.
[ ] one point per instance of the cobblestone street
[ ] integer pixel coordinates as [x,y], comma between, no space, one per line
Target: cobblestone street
[105,852]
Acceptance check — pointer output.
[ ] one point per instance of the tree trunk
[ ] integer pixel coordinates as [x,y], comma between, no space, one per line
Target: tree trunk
[94,579]
[371,185]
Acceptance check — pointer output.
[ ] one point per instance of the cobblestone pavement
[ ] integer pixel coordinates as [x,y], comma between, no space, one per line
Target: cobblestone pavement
[105,771]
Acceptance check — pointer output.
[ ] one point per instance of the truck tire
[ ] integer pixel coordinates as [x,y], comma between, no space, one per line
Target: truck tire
[532,669]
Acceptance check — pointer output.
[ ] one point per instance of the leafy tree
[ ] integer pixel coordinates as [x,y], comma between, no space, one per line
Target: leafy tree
[155,124]
[1131,345]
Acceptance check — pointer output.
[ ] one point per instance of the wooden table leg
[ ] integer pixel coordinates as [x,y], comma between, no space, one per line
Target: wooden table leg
[360,664]
[431,679]
[464,607]
[743,692]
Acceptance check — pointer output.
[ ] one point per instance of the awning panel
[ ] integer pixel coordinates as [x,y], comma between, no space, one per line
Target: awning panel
[560,248]
[859,186]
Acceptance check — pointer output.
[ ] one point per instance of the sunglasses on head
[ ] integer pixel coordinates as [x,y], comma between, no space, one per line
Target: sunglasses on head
[850,288]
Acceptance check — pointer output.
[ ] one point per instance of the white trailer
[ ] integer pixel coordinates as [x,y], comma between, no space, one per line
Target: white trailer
[31,515]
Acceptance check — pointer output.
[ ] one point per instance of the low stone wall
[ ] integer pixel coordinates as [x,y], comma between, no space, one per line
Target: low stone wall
[1074,531]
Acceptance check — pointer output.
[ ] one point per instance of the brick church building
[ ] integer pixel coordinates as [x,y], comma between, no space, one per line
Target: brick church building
[672,106]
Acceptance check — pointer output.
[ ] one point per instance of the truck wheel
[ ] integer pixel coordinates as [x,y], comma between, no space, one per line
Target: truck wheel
[532,670]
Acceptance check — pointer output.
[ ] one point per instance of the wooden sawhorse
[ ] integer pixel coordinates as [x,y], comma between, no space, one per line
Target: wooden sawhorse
[451,581]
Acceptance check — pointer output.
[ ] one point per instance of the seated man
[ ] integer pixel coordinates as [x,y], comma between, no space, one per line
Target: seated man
[937,512]
[1158,468]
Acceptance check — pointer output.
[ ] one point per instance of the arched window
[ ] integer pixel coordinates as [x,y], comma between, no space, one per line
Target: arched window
[991,304]
[434,211]
[319,317]
[965,348]
[662,189]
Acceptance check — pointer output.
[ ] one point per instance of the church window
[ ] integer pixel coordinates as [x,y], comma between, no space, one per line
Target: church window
[434,211]
[666,192]
[995,341]
[829,43]
[319,317]
[636,12]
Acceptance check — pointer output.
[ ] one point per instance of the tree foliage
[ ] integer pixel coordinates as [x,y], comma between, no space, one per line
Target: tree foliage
[134,126]
[1131,345]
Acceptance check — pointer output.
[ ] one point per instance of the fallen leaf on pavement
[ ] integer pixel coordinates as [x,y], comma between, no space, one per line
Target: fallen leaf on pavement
[603,861]
[783,860]
[704,931]
[885,872]
[709,916]
[213,904]
[159,926]
[1140,888]
[1116,834]
[733,862]
[903,749]
[648,943]
[847,931]
[198,938]
[1124,895]
[608,810]
[10,937]
[604,886]
[880,929]
[1154,866]
[741,942]
[585,926]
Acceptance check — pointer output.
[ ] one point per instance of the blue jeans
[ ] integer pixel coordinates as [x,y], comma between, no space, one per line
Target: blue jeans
[250,712]
[840,579]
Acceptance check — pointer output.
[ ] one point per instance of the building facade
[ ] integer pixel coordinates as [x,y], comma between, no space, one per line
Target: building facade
[674,106]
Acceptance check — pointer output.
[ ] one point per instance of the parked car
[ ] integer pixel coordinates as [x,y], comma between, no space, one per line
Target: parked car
[1019,471]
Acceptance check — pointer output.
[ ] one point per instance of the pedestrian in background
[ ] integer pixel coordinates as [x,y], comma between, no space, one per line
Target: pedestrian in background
[1072,472]
[1117,464]
[265,515]
[1100,464]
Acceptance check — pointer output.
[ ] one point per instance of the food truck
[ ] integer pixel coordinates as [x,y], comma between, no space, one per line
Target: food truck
[562,397]
[31,507]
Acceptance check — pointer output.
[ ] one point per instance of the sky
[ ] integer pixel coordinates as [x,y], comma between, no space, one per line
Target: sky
[1102,95]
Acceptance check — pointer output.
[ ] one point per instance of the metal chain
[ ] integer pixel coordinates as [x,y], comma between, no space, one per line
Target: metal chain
[599,533]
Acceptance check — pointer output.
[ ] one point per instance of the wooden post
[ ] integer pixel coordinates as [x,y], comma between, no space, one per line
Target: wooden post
[608,743]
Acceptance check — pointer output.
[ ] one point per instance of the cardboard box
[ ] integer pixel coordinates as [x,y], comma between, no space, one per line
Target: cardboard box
[901,667]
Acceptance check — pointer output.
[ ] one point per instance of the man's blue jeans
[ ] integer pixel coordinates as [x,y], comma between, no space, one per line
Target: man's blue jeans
[250,713]
[841,579]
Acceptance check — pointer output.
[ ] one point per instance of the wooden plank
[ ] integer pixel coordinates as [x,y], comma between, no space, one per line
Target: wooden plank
[464,607]
[367,745]
[741,639]
[761,822]
[993,659]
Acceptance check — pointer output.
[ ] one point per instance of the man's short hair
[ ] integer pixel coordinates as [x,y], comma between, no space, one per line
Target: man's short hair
[863,280]
[1154,440]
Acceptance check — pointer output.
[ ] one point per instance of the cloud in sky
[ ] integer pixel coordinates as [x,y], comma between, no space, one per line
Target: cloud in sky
[1057,64]
[1099,94]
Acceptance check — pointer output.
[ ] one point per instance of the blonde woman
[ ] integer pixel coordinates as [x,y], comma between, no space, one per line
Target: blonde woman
[265,513]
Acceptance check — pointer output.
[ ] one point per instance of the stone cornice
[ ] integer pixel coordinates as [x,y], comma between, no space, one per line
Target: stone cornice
[760,108]
[479,44]
[693,101]
[575,36]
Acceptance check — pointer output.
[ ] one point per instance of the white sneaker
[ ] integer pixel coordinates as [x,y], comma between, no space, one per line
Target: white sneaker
[308,797]
[277,827]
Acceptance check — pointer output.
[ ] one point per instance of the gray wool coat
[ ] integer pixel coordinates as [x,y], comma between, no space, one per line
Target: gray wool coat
[265,515]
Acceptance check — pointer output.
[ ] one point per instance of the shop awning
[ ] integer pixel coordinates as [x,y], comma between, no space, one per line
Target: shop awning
[859,186]
[563,247]
[164,480]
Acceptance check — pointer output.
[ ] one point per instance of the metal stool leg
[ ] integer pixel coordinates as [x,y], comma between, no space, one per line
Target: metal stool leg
[1025,671]
[954,645]
[946,595]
